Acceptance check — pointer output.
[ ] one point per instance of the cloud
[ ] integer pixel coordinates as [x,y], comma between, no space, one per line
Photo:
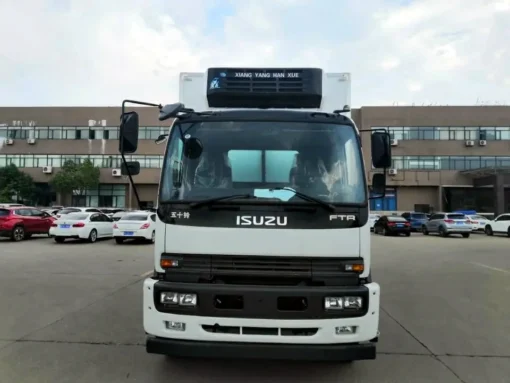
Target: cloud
[77,52]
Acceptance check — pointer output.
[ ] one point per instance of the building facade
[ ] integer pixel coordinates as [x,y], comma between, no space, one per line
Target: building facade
[444,158]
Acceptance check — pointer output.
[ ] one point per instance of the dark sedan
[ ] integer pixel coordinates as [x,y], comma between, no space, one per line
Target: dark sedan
[392,225]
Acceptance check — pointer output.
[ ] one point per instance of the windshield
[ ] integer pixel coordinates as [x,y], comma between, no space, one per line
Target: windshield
[67,211]
[135,217]
[396,219]
[456,216]
[76,216]
[252,157]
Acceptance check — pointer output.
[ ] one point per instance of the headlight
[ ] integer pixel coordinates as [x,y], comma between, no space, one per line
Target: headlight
[340,303]
[181,299]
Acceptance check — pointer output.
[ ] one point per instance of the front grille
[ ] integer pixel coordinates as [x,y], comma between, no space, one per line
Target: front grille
[261,266]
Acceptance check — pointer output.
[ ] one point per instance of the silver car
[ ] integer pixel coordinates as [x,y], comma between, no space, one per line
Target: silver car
[448,223]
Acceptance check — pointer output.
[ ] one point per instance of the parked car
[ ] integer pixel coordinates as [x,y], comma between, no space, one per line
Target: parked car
[135,225]
[18,223]
[116,216]
[415,219]
[69,210]
[478,222]
[499,225]
[392,225]
[372,218]
[82,225]
[448,223]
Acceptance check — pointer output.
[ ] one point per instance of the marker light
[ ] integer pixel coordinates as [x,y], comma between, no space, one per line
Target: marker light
[167,263]
[176,326]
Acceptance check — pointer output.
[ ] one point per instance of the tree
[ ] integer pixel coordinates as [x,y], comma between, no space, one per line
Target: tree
[15,183]
[76,178]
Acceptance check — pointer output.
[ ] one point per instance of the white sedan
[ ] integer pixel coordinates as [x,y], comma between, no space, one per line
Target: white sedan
[478,222]
[135,225]
[89,226]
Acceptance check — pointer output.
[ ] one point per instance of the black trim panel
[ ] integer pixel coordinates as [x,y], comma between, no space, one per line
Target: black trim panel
[267,351]
[291,216]
[260,302]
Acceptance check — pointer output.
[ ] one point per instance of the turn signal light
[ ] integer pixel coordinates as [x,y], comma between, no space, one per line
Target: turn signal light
[145,226]
[115,226]
[356,267]
[167,263]
[79,224]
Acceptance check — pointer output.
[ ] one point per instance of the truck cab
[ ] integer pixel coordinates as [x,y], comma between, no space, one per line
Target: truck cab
[263,238]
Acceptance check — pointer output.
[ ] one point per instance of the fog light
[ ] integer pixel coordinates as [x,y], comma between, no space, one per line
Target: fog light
[333,303]
[176,326]
[187,299]
[345,330]
[169,298]
[353,302]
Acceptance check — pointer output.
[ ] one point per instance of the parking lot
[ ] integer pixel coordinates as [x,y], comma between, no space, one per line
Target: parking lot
[72,312]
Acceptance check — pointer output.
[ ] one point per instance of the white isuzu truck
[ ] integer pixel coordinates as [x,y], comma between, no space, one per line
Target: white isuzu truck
[263,238]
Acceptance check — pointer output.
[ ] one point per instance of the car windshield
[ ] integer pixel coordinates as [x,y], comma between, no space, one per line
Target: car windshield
[135,217]
[397,219]
[67,211]
[252,157]
[419,216]
[76,216]
[456,216]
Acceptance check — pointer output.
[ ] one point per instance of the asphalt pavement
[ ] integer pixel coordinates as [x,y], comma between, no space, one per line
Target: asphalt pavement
[72,312]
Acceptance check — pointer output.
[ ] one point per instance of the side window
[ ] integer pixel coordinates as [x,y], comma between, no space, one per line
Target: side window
[19,212]
[278,165]
[153,217]
[246,165]
[37,213]
[95,218]
[504,218]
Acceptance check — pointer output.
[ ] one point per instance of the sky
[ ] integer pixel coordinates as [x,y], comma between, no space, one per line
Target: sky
[399,52]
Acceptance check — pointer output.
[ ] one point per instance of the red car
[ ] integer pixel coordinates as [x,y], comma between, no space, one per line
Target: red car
[18,223]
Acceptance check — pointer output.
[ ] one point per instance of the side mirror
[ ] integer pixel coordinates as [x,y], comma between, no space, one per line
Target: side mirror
[177,174]
[381,150]
[378,185]
[169,111]
[193,148]
[132,166]
[128,132]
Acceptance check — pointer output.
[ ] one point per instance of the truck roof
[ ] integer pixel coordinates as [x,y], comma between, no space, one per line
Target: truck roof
[269,115]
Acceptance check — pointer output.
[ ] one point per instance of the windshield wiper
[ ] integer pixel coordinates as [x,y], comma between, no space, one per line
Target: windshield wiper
[307,197]
[222,198]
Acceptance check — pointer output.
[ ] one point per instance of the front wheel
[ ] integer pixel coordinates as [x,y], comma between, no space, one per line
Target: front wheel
[424,230]
[488,230]
[442,232]
[18,234]
[408,234]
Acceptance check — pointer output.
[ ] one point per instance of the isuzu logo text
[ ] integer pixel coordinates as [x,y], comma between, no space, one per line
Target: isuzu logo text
[342,217]
[249,220]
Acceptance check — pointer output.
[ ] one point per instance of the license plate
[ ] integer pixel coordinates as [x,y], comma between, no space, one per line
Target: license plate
[400,225]
[65,226]
[460,223]
[128,233]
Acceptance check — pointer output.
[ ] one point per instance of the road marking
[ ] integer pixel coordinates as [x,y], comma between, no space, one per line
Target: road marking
[490,267]
[147,273]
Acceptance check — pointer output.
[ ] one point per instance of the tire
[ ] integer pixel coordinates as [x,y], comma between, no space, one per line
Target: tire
[442,232]
[408,234]
[18,233]
[488,230]
[93,236]
[119,241]
[153,237]
[508,232]
[466,235]
[385,232]
[59,239]
[424,230]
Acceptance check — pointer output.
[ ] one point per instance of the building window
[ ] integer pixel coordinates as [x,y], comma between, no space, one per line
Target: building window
[57,160]
[105,195]
[457,133]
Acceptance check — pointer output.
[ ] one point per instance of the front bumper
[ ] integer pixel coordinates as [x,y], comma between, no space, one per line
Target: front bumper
[319,330]
[238,350]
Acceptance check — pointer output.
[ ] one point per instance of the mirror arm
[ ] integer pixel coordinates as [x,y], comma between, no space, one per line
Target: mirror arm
[122,151]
